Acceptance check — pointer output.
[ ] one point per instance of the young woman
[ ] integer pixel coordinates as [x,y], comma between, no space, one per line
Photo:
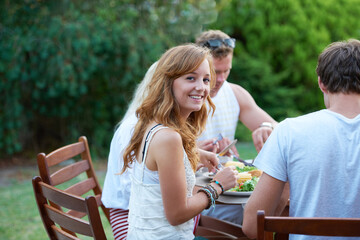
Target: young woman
[163,148]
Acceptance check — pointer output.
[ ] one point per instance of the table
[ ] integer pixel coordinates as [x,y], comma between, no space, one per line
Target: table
[223,199]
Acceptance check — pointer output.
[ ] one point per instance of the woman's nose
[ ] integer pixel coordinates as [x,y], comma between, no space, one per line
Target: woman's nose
[200,85]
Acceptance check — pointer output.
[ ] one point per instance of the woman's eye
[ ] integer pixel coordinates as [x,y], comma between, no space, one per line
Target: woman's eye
[190,78]
[206,80]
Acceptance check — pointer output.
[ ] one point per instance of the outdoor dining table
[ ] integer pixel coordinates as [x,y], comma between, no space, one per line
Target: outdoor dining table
[202,180]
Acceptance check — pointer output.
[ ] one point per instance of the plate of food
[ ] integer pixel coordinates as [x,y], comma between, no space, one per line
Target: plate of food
[247,178]
[239,194]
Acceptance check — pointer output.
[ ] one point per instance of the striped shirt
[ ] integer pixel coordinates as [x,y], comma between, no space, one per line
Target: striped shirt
[226,115]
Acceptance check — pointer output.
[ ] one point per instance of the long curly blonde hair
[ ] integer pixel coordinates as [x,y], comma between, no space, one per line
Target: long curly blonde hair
[160,105]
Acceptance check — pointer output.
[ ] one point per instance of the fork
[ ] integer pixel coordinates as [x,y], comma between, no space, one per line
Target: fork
[240,160]
[219,138]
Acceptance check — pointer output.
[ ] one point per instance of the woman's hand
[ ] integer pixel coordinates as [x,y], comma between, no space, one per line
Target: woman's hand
[226,177]
[224,143]
[208,160]
[208,145]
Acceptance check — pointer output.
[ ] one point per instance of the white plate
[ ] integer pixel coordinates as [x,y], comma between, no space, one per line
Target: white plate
[243,194]
[209,175]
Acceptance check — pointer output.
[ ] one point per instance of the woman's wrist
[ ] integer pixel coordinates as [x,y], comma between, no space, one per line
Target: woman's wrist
[218,186]
[267,124]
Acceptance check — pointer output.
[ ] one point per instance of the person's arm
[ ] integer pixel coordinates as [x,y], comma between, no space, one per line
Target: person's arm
[252,116]
[268,195]
[166,151]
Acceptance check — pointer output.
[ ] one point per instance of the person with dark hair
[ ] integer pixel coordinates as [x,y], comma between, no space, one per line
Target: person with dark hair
[318,153]
[163,151]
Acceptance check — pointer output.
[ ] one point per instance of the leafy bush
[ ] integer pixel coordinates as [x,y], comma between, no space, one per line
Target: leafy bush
[70,67]
[278,43]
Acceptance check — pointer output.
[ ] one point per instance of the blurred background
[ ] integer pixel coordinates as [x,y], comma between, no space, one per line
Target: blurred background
[69,68]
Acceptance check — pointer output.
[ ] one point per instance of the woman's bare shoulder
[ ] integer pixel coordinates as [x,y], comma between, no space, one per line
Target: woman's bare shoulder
[166,137]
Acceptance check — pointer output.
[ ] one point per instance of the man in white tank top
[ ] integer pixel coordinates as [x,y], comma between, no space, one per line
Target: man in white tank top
[233,103]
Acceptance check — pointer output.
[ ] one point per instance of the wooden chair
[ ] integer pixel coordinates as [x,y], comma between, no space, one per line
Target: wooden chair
[267,225]
[55,169]
[213,228]
[53,217]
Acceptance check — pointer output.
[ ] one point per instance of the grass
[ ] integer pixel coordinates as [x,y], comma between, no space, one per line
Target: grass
[20,218]
[246,150]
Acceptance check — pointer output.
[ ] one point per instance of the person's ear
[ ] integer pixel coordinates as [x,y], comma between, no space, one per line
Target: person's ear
[322,86]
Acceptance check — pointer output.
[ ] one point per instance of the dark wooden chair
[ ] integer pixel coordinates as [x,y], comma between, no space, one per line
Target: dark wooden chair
[61,166]
[53,217]
[213,228]
[267,225]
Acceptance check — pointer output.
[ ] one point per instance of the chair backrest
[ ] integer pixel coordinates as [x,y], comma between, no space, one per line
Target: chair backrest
[266,225]
[53,217]
[214,228]
[60,167]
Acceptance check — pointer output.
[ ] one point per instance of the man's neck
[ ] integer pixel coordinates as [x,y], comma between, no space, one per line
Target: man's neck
[347,105]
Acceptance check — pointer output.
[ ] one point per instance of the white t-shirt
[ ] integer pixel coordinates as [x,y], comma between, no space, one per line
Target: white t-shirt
[319,154]
[116,191]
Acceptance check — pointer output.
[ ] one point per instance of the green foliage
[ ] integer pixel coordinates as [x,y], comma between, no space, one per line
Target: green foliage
[278,43]
[69,68]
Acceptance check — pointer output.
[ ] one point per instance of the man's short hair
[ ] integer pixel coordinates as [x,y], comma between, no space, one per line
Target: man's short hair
[339,67]
[219,52]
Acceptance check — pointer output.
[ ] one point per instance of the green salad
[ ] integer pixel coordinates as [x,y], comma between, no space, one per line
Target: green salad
[247,186]
[245,169]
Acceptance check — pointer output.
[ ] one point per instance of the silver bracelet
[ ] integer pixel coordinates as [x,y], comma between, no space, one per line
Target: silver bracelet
[267,124]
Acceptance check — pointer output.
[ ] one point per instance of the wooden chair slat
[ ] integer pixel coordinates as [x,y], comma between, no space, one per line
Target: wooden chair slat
[82,214]
[67,201]
[65,153]
[76,213]
[82,187]
[210,234]
[228,227]
[69,222]
[69,172]
[317,226]
[214,228]
[62,235]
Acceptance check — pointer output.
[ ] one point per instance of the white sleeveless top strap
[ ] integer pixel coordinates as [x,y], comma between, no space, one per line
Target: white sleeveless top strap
[226,115]
[147,218]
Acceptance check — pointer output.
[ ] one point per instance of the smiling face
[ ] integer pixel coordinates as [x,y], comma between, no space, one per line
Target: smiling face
[190,90]
[222,68]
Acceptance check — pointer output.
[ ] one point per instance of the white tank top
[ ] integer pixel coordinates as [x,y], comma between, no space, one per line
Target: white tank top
[147,218]
[226,115]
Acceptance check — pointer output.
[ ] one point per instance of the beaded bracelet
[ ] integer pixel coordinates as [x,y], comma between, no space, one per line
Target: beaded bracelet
[218,183]
[208,194]
[211,195]
[213,190]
